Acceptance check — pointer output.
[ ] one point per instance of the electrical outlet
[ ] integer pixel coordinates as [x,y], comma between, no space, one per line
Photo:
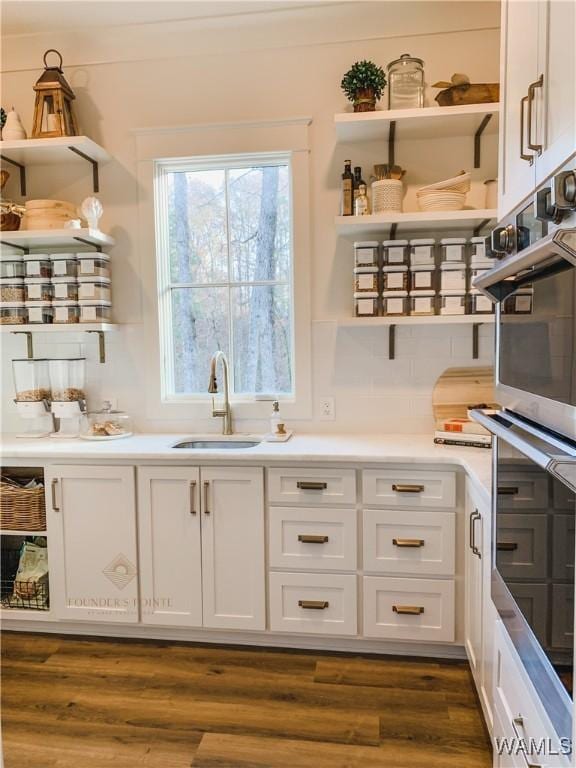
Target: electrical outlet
[327,409]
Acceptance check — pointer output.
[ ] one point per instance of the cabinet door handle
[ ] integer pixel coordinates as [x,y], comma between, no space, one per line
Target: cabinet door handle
[474,516]
[508,490]
[408,542]
[307,538]
[506,546]
[531,88]
[309,485]
[408,610]
[315,605]
[529,158]
[206,492]
[54,485]
[518,722]
[407,488]
[193,497]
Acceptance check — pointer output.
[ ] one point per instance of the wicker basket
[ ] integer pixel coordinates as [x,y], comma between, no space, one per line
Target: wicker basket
[387,195]
[22,509]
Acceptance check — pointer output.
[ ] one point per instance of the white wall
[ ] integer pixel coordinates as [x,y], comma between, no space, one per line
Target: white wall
[270,66]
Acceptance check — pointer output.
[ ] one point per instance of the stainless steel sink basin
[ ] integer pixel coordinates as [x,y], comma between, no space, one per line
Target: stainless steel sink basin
[202,445]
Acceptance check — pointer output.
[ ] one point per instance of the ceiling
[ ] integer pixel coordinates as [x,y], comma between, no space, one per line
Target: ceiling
[25,17]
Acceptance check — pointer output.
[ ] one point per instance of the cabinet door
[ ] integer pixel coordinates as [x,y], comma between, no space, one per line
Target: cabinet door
[474,592]
[556,100]
[233,576]
[92,537]
[518,68]
[169,545]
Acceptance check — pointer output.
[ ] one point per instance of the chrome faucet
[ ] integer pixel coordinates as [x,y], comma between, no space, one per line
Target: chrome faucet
[225,411]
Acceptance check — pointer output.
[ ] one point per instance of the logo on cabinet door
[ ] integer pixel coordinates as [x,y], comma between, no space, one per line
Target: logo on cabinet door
[120,571]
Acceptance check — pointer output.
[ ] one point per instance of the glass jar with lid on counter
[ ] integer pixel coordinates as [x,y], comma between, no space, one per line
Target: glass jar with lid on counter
[405,82]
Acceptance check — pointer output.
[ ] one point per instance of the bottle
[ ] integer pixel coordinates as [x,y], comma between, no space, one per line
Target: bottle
[357,180]
[347,190]
[361,206]
[275,418]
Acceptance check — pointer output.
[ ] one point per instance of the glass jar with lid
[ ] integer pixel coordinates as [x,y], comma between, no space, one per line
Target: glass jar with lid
[395,303]
[452,249]
[106,424]
[11,265]
[479,303]
[67,377]
[366,304]
[395,278]
[65,312]
[64,264]
[12,289]
[93,265]
[365,279]
[366,253]
[64,289]
[38,289]
[453,276]
[39,311]
[422,302]
[13,313]
[395,252]
[37,265]
[519,302]
[422,251]
[423,278]
[452,302]
[405,82]
[31,380]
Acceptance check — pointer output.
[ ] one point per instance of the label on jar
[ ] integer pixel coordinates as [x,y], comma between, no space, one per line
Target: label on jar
[365,282]
[89,313]
[35,314]
[32,267]
[60,314]
[453,304]
[395,306]
[34,291]
[60,291]
[87,266]
[365,256]
[423,304]
[422,279]
[395,280]
[523,303]
[365,306]
[395,255]
[453,281]
[87,290]
[480,250]
[483,304]
[453,252]
[9,270]
[59,267]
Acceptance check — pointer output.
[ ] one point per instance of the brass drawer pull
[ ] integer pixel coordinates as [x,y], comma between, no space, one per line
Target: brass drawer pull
[508,490]
[506,546]
[54,485]
[193,498]
[206,491]
[531,88]
[408,610]
[407,488]
[309,485]
[307,538]
[529,158]
[316,605]
[408,542]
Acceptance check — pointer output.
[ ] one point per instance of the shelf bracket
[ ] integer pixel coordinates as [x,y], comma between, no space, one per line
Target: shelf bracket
[101,345]
[14,245]
[475,340]
[391,140]
[480,227]
[22,169]
[93,163]
[477,137]
[29,342]
[391,342]
[87,242]
[393,230]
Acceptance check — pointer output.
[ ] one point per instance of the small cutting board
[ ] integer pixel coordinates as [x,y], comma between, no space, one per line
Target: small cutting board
[458,388]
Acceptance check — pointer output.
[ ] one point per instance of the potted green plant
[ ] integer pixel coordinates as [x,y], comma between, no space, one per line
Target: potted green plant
[363,85]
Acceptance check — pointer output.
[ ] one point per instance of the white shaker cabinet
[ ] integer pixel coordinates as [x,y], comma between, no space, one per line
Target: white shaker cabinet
[91,520]
[233,573]
[169,545]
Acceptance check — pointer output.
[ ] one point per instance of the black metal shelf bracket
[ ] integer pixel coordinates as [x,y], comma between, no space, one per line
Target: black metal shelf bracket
[391,142]
[391,342]
[22,169]
[87,242]
[101,345]
[14,245]
[29,342]
[476,341]
[477,139]
[93,163]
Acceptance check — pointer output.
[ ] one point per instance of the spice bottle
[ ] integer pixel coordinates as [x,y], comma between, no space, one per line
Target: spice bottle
[361,205]
[347,190]
[357,180]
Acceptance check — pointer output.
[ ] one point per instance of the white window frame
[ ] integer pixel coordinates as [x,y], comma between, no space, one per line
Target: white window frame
[162,169]
[287,138]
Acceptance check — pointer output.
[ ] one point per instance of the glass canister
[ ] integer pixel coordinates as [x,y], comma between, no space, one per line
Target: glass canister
[366,304]
[395,252]
[365,279]
[480,304]
[395,303]
[11,265]
[366,253]
[67,378]
[422,251]
[422,303]
[405,82]
[106,424]
[31,380]
[395,279]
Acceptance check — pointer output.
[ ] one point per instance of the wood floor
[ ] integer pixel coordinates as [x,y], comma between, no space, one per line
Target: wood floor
[74,703]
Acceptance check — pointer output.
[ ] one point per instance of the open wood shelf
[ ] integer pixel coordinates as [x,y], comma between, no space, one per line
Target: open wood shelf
[4,532]
[425,123]
[415,221]
[57,327]
[25,240]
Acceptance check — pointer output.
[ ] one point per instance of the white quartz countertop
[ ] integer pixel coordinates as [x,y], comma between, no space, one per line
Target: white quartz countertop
[345,448]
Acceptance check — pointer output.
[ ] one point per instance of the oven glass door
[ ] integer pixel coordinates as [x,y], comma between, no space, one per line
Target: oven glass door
[533,580]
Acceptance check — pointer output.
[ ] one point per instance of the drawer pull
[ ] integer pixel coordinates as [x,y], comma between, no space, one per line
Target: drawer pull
[506,546]
[192,498]
[54,485]
[408,610]
[308,538]
[206,492]
[408,542]
[309,485]
[316,605]
[407,488]
[508,490]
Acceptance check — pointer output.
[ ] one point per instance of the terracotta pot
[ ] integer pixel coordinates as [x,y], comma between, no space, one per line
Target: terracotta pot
[365,100]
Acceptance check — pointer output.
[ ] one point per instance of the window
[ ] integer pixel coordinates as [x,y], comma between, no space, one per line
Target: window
[225,267]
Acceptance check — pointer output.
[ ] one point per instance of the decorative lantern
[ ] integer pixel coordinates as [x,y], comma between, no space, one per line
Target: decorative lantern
[53,115]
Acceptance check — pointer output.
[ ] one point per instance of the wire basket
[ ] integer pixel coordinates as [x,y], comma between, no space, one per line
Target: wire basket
[22,509]
[30,595]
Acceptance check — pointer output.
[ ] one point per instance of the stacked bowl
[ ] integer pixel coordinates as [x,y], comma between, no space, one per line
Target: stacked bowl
[47,214]
[448,195]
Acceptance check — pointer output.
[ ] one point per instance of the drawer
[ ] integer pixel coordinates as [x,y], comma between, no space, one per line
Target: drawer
[563,546]
[523,490]
[316,603]
[532,599]
[312,486]
[317,538]
[409,488]
[418,543]
[563,620]
[521,546]
[409,609]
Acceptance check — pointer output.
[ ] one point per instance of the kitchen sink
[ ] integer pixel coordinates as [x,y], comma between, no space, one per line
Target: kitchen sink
[201,445]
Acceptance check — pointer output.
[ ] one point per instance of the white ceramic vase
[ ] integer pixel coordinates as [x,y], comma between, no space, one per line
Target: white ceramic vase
[13,129]
[91,209]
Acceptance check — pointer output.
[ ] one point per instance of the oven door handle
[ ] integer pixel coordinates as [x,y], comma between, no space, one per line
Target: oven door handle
[525,443]
[496,283]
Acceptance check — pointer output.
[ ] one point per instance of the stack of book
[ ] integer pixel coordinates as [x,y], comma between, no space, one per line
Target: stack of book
[462,432]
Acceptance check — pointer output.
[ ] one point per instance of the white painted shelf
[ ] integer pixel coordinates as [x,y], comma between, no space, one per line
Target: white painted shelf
[55,238]
[426,123]
[61,149]
[57,327]
[354,322]
[414,221]
[4,532]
